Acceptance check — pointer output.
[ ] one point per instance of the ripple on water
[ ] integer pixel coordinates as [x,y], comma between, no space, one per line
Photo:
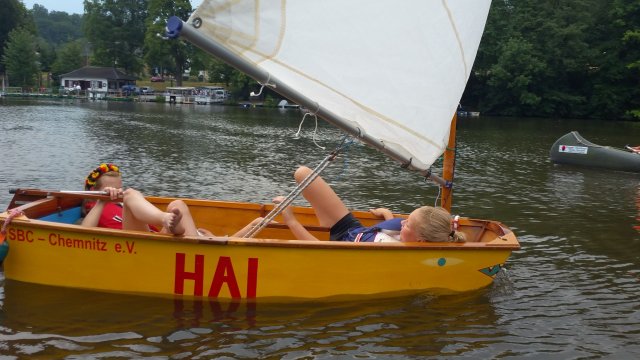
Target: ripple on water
[570,292]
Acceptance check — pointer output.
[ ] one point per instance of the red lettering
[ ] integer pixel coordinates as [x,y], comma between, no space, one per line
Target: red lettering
[20,235]
[224,274]
[252,278]
[181,275]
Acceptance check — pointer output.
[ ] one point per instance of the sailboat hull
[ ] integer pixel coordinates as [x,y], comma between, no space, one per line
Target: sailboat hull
[47,248]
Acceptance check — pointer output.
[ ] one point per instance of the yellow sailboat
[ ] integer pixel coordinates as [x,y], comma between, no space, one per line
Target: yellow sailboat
[425,51]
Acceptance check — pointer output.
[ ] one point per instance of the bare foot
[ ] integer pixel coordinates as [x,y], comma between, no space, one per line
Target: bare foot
[172,222]
[287,213]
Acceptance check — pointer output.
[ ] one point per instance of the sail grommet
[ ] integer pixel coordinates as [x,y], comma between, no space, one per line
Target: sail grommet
[197,22]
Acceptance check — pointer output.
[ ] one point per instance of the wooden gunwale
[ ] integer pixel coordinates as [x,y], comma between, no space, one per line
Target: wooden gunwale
[57,201]
[260,242]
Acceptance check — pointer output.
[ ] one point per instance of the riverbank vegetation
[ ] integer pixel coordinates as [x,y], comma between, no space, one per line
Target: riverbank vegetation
[572,59]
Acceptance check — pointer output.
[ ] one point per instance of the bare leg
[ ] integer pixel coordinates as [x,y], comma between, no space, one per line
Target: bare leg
[325,202]
[294,225]
[138,213]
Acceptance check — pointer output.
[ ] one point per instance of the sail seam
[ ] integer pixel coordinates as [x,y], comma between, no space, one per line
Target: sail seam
[359,105]
[455,31]
[366,109]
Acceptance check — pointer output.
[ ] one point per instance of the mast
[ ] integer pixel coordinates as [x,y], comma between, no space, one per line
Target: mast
[178,28]
[448,166]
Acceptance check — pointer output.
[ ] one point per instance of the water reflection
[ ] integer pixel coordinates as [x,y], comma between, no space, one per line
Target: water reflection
[68,321]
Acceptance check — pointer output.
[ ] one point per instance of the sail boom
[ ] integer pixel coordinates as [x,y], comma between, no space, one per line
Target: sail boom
[176,27]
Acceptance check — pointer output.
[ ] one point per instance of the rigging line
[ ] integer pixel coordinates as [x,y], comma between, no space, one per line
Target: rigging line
[435,202]
[266,83]
[315,131]
[295,192]
[345,164]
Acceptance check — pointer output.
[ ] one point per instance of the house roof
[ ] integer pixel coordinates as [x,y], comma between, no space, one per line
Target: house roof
[108,73]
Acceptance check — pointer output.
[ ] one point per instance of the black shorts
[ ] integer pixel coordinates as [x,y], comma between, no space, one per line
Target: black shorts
[340,230]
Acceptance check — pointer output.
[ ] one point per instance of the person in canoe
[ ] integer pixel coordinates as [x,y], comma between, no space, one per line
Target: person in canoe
[633,149]
[135,212]
[426,223]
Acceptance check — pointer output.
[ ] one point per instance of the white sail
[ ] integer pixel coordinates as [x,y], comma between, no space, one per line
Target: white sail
[396,69]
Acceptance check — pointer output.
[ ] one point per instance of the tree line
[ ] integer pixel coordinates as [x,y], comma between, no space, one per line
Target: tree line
[546,58]
[127,34]
[552,58]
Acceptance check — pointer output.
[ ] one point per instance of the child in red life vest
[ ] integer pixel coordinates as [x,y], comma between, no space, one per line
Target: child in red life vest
[135,212]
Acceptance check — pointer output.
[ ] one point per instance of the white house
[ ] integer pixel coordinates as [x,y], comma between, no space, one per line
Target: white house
[97,81]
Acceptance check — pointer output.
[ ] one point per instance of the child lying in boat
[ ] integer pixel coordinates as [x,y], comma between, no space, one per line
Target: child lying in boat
[424,224]
[135,212]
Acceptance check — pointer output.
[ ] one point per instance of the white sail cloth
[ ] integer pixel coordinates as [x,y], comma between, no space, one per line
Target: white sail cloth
[397,69]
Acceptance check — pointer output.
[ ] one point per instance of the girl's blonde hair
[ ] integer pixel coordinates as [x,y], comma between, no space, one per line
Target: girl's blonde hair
[435,224]
[107,174]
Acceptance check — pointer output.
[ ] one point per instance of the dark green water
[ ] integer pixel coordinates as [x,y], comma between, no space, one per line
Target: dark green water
[571,292]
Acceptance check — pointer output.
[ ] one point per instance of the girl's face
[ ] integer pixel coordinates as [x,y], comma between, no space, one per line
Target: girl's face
[407,232]
[109,181]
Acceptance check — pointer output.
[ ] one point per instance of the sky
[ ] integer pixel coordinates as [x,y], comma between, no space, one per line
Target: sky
[71,6]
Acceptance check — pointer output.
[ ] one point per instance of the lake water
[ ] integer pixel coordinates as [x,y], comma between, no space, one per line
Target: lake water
[572,291]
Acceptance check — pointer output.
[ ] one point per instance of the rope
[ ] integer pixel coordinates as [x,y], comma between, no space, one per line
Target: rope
[315,131]
[12,214]
[345,164]
[263,85]
[435,203]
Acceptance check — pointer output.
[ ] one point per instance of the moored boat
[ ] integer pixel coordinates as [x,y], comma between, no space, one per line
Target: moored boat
[207,95]
[573,149]
[180,94]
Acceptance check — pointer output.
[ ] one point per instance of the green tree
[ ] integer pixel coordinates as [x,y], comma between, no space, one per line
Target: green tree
[57,27]
[169,55]
[12,16]
[220,72]
[535,51]
[46,54]
[115,29]
[626,15]
[240,84]
[631,39]
[615,80]
[512,82]
[70,57]
[20,58]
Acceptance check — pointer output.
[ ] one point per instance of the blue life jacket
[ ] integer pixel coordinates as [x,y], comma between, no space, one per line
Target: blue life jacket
[368,233]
